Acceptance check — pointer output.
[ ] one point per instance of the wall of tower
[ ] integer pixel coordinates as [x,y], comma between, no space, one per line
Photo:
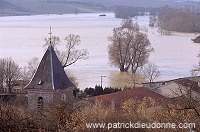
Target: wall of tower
[63,95]
[48,97]
[33,97]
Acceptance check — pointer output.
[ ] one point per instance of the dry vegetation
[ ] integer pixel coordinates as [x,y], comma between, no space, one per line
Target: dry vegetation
[68,117]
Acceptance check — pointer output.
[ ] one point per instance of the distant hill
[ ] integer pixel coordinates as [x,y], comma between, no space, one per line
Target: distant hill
[5,4]
[29,7]
[136,3]
[8,8]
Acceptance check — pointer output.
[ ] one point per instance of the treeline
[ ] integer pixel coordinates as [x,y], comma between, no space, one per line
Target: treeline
[130,11]
[184,19]
[180,20]
[98,90]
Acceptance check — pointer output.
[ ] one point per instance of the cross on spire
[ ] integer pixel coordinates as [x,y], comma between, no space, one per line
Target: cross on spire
[50,33]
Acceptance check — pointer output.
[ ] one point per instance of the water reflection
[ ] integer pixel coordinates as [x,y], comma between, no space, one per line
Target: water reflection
[124,79]
[111,79]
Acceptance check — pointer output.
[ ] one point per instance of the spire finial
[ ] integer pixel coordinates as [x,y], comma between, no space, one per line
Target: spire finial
[50,33]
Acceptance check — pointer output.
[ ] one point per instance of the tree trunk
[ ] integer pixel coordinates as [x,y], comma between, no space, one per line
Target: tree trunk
[9,89]
[9,86]
[123,68]
[127,68]
[133,69]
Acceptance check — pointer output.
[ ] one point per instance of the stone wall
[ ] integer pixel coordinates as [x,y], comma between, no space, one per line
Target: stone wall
[38,99]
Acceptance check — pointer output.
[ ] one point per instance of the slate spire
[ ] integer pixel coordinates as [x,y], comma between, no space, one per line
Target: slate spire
[50,74]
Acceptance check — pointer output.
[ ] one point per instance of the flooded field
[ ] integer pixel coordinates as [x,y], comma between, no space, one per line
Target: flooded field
[22,38]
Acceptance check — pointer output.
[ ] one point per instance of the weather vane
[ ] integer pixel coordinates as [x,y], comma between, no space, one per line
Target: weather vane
[50,33]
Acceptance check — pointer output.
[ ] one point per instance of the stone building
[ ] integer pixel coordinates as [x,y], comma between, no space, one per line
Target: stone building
[49,84]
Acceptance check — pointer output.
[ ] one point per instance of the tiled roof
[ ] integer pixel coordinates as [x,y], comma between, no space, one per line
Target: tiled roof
[121,96]
[50,74]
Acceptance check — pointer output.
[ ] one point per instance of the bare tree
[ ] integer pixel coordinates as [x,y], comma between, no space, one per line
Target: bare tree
[117,54]
[55,40]
[139,51]
[120,44]
[153,21]
[2,72]
[71,55]
[150,71]
[196,68]
[32,65]
[73,79]
[12,73]
[30,69]
[129,48]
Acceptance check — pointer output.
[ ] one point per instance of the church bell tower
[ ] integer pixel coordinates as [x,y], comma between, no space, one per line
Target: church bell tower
[49,83]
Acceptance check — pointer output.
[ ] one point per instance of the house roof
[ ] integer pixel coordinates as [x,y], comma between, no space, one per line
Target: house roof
[50,74]
[189,82]
[194,82]
[195,79]
[178,87]
[121,96]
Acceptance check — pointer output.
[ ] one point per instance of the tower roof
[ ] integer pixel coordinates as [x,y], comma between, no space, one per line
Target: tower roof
[50,74]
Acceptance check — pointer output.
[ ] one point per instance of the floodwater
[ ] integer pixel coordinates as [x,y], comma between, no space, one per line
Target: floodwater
[22,38]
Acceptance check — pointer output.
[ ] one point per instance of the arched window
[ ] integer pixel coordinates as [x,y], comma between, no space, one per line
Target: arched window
[40,102]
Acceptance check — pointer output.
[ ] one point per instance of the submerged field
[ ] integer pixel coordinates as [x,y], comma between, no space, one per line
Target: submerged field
[22,38]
